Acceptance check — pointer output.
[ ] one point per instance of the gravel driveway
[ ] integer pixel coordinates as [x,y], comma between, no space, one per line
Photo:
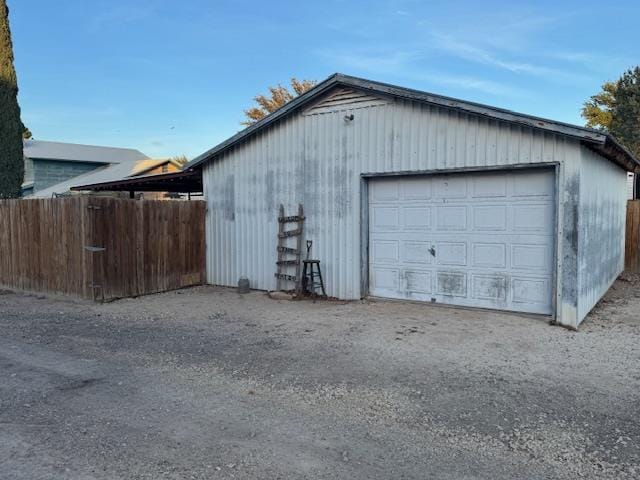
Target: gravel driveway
[206,384]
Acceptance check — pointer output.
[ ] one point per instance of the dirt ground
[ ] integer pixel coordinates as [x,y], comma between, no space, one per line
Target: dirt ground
[205,384]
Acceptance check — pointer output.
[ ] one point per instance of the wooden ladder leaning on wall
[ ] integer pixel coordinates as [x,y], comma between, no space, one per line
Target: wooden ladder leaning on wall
[285,250]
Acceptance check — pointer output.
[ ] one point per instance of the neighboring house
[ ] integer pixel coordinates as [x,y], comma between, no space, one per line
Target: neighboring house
[110,173]
[417,196]
[49,163]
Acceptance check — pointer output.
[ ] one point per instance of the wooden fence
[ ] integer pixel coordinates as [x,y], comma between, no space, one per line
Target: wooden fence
[632,249]
[101,248]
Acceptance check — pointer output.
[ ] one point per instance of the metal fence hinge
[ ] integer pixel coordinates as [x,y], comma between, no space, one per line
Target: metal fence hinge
[94,249]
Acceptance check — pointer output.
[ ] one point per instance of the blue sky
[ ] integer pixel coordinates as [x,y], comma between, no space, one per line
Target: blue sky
[173,77]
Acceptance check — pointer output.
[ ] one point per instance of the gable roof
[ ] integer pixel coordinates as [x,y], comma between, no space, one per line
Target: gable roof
[72,152]
[107,173]
[601,142]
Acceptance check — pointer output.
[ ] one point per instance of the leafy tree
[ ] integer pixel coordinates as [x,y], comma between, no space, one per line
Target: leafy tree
[26,133]
[616,110]
[11,159]
[597,110]
[181,160]
[278,97]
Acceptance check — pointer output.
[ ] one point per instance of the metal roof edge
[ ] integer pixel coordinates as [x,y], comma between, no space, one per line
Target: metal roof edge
[586,135]
[475,108]
[70,160]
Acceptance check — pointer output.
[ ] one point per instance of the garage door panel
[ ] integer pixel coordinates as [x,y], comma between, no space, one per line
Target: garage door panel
[385,279]
[451,218]
[490,287]
[418,188]
[418,281]
[489,186]
[387,191]
[531,257]
[484,240]
[385,251]
[490,218]
[532,217]
[416,218]
[386,218]
[451,253]
[416,252]
[447,187]
[529,290]
[453,284]
[491,255]
[533,184]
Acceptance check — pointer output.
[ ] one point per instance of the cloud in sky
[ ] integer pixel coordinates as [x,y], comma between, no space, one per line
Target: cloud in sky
[471,83]
[412,66]
[512,42]
[497,59]
[475,54]
[591,61]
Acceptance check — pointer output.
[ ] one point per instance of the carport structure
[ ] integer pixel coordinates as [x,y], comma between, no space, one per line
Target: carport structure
[189,182]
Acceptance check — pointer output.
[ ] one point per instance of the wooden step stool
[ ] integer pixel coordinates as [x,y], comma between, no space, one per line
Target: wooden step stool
[312,278]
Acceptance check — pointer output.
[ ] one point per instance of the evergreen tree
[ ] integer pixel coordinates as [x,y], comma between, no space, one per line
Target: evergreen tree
[11,157]
[625,116]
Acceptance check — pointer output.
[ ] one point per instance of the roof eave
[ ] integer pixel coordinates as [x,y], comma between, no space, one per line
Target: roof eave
[615,152]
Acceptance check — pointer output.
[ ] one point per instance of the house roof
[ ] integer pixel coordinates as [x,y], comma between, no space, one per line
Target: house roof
[602,143]
[72,152]
[107,173]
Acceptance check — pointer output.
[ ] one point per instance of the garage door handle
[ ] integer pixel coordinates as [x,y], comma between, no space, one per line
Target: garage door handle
[432,251]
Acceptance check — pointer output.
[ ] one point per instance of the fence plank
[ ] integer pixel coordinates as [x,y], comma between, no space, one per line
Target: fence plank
[632,249]
[150,246]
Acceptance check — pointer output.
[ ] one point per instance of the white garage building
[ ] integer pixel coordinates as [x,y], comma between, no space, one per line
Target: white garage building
[416,196]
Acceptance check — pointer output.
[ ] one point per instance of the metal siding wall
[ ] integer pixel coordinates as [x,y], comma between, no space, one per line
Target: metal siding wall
[602,218]
[318,160]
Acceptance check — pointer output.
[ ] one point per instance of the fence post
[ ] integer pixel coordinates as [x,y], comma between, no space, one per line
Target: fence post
[632,240]
[139,239]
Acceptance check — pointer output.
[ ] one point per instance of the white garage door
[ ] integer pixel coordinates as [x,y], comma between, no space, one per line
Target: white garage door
[481,239]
